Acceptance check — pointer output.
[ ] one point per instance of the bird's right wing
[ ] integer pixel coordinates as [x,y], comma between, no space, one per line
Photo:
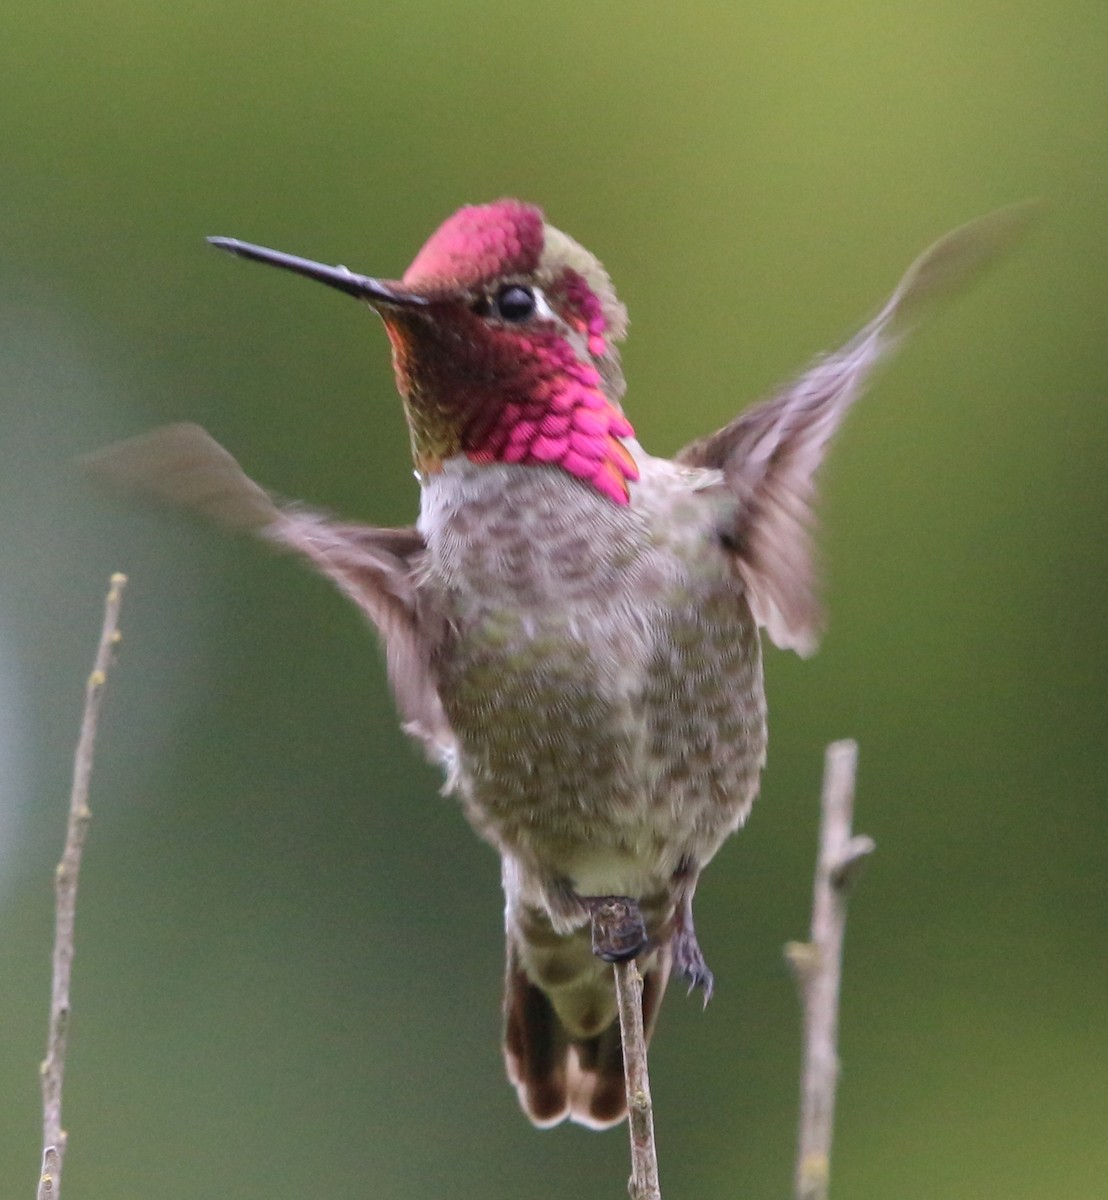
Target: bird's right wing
[376,567]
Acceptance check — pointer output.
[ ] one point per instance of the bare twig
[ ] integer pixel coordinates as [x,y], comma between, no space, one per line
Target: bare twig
[618,936]
[49,1176]
[818,967]
[644,1155]
[65,892]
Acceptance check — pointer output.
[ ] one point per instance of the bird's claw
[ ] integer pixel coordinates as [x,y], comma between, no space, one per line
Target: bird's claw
[618,928]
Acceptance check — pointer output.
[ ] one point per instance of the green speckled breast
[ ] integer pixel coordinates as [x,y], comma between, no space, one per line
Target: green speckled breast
[601,672]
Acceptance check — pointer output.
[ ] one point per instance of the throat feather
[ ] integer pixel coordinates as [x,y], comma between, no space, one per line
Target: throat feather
[564,420]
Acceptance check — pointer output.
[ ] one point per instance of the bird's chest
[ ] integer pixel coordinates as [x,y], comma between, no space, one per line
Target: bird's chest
[590,650]
[552,597]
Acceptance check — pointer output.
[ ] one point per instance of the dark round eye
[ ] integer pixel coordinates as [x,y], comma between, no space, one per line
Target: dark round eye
[514,302]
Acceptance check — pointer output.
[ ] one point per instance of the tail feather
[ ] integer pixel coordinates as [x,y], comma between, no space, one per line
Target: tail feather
[556,1073]
[596,1090]
[535,1050]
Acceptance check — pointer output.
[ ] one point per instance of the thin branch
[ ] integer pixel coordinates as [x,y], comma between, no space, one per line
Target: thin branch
[65,893]
[618,937]
[640,1109]
[817,964]
[50,1174]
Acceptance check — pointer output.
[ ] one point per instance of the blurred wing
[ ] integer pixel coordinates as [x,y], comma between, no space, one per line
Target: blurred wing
[182,465]
[770,454]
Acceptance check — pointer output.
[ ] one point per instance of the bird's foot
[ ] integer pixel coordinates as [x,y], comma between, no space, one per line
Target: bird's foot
[618,928]
[688,959]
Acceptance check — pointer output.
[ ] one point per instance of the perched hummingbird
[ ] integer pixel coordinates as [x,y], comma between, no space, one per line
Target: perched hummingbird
[571,627]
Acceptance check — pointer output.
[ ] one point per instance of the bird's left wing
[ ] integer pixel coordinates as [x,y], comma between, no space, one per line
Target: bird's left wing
[770,454]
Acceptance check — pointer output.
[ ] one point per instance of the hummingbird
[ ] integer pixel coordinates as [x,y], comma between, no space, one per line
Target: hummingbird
[572,627]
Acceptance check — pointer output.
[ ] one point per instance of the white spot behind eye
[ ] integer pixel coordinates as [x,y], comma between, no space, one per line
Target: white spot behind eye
[542,305]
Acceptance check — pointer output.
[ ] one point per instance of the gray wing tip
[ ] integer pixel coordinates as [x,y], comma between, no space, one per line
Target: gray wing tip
[959,257]
[183,466]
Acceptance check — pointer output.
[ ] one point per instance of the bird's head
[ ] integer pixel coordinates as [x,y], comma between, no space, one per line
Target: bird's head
[503,335]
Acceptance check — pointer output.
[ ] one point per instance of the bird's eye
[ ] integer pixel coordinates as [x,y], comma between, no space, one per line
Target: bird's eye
[514,302]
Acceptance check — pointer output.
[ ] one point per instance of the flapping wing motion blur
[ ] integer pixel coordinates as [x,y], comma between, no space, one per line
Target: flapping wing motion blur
[770,454]
[183,466]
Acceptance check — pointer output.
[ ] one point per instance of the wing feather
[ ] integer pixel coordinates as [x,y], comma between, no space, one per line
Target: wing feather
[771,453]
[377,568]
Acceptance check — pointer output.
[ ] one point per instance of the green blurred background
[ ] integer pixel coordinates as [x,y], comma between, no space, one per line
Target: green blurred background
[289,950]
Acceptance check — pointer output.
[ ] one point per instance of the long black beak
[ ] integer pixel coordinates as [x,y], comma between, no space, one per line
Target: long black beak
[374,291]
